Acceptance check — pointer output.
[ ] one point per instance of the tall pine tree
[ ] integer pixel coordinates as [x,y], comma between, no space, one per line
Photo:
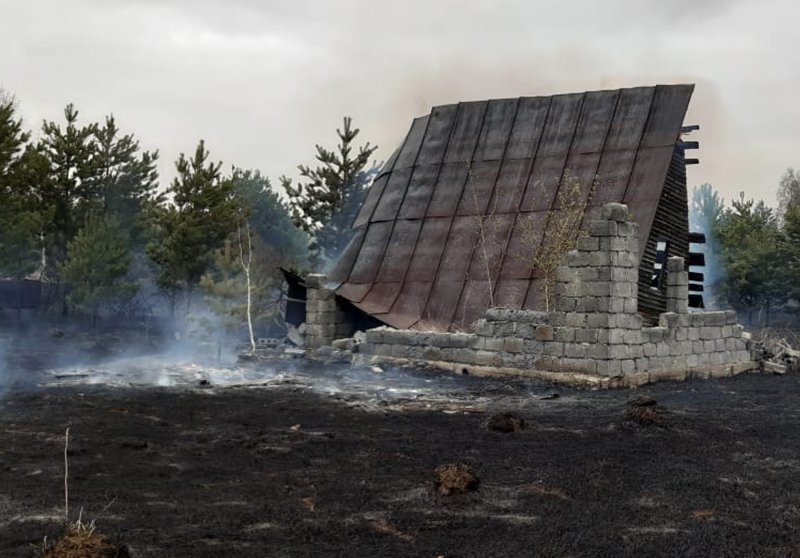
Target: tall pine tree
[326,204]
[200,216]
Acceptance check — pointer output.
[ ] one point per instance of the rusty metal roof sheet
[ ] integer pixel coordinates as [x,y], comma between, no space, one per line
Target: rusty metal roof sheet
[439,238]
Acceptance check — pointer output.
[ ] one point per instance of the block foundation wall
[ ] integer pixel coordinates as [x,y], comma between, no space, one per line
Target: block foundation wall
[595,330]
[325,320]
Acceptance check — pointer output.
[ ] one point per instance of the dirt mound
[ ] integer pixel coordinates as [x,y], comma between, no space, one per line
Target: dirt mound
[645,411]
[455,478]
[86,545]
[505,422]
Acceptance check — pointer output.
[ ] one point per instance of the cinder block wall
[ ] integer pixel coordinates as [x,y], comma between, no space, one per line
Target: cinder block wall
[595,329]
[325,321]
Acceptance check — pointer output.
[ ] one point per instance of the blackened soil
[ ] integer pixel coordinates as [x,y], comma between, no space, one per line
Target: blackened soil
[285,472]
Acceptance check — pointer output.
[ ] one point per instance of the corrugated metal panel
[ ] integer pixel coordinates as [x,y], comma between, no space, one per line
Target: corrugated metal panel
[408,152]
[393,195]
[419,191]
[440,124]
[466,132]
[398,252]
[478,189]
[428,251]
[510,186]
[500,116]
[528,125]
[371,253]
[371,200]
[447,192]
[499,165]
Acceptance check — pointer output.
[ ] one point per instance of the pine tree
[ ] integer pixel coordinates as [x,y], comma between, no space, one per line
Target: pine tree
[327,203]
[97,265]
[187,231]
[69,193]
[751,246]
[126,181]
[20,222]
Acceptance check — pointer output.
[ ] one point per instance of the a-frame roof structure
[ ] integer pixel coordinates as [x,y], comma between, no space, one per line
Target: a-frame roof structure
[439,237]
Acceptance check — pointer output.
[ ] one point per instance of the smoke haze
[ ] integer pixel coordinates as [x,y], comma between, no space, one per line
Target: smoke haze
[263,82]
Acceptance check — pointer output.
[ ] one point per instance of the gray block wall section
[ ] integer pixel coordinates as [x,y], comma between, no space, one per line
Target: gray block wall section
[325,321]
[595,335]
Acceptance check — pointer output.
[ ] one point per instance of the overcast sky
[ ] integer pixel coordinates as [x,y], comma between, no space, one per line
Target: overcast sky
[262,81]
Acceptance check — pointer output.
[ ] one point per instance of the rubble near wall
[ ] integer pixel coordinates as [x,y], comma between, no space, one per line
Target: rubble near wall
[595,335]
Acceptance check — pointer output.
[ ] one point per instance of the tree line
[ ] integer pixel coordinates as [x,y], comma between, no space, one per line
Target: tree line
[82,209]
[752,250]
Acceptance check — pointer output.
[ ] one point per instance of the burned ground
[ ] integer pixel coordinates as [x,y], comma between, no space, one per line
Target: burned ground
[288,472]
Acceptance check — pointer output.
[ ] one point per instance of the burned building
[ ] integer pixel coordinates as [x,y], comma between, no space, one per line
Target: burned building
[441,235]
[448,234]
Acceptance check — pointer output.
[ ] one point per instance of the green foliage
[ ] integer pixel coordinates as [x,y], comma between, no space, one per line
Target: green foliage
[202,214]
[68,193]
[269,217]
[126,181]
[97,265]
[752,246]
[326,204]
[19,222]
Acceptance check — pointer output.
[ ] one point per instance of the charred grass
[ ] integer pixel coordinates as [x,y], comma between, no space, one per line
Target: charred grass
[288,473]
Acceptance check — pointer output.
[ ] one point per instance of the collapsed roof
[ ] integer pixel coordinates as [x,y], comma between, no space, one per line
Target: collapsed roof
[439,236]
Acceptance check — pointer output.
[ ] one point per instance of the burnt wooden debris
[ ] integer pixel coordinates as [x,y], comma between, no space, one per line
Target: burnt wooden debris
[441,236]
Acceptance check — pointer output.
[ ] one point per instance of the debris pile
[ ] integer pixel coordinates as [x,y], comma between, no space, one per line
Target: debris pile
[645,411]
[776,354]
[85,543]
[455,478]
[505,422]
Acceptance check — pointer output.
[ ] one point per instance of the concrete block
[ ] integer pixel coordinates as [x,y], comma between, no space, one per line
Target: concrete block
[554,348]
[730,317]
[615,212]
[513,345]
[675,264]
[710,332]
[431,353]
[588,244]
[566,303]
[460,340]
[467,356]
[598,351]
[575,319]
[586,304]
[494,344]
[628,366]
[575,350]
[649,349]
[483,327]
[599,320]
[602,228]
[585,335]
[547,333]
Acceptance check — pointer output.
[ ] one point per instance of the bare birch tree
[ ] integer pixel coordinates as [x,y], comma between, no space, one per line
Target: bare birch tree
[562,231]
